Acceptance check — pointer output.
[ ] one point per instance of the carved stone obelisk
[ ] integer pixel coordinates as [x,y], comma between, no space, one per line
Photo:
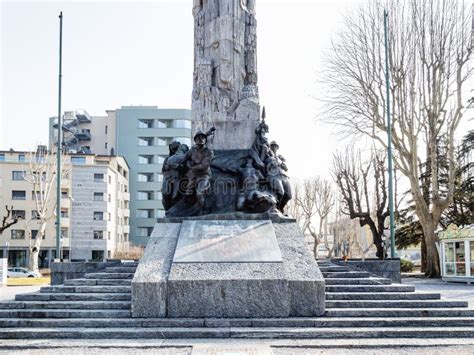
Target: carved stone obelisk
[225,92]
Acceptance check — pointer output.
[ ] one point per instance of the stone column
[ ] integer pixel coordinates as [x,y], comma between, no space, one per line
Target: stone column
[225,91]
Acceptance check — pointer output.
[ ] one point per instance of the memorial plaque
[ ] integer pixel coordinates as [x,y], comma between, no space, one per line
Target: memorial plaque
[227,242]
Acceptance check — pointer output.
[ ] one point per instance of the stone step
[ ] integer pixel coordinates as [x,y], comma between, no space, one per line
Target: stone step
[348,274]
[38,296]
[120,269]
[303,322]
[395,304]
[370,288]
[242,333]
[99,282]
[109,275]
[64,313]
[400,312]
[86,289]
[334,269]
[358,281]
[382,296]
[65,305]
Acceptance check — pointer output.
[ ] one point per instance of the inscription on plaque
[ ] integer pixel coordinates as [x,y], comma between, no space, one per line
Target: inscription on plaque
[227,242]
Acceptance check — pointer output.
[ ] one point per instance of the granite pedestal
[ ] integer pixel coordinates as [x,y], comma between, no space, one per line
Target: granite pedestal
[225,269]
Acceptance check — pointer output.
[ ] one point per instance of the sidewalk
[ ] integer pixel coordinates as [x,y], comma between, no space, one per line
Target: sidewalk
[448,290]
[8,292]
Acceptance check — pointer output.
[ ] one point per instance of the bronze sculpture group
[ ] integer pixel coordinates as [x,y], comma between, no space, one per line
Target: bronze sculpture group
[263,185]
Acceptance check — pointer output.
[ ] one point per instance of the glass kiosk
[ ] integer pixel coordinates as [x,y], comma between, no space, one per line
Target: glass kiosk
[457,254]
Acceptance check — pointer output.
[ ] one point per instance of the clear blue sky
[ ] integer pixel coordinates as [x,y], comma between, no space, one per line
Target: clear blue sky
[124,53]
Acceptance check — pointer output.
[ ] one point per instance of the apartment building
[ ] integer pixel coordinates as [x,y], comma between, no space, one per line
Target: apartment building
[83,133]
[94,209]
[141,134]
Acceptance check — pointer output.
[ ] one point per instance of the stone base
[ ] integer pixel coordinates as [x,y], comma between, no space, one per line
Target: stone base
[240,282]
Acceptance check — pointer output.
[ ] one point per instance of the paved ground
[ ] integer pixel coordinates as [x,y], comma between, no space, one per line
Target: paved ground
[8,293]
[452,291]
[449,291]
[240,347]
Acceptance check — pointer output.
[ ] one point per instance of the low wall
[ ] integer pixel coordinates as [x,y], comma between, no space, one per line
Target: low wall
[388,268]
[74,270]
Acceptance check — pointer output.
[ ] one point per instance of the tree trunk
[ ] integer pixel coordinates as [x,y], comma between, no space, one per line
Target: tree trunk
[432,257]
[36,247]
[423,255]
[33,265]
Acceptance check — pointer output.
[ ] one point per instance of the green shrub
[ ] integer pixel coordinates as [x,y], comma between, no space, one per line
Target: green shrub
[406,265]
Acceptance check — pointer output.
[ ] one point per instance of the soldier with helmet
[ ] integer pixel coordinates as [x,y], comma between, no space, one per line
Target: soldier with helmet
[198,161]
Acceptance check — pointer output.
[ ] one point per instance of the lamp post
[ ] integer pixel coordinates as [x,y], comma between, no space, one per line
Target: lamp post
[389,138]
[59,150]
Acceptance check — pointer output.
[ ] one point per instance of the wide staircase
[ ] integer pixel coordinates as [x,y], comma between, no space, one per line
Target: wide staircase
[358,305]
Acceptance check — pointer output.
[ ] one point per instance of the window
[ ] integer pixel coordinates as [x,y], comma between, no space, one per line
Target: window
[110,179]
[160,177]
[98,177]
[163,141]
[144,231]
[17,234]
[144,214]
[18,195]
[160,213]
[2,157]
[64,233]
[19,214]
[145,123]
[21,158]
[164,123]
[97,255]
[18,175]
[64,213]
[109,217]
[35,214]
[109,235]
[105,145]
[145,177]
[64,194]
[106,129]
[184,140]
[36,195]
[98,216]
[98,196]
[144,195]
[98,234]
[145,141]
[78,160]
[182,124]
[160,159]
[109,197]
[145,159]
[34,233]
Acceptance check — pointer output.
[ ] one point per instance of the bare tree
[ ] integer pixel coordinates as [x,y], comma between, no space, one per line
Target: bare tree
[364,191]
[429,52]
[8,220]
[41,174]
[313,198]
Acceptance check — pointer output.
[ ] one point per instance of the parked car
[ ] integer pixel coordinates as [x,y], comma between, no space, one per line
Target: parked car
[21,272]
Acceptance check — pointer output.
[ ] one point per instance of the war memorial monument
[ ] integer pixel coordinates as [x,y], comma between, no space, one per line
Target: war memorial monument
[226,248]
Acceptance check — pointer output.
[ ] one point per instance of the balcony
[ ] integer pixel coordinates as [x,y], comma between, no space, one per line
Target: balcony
[126,228]
[126,213]
[126,196]
[83,135]
[82,116]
